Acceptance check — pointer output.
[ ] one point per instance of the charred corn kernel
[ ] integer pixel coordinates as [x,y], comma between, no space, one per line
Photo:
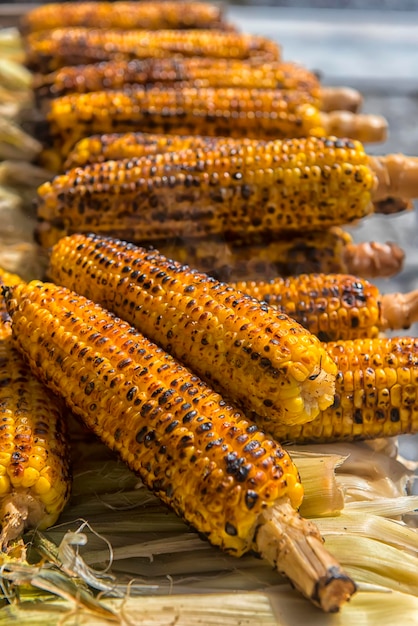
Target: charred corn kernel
[260,359]
[235,112]
[188,194]
[34,458]
[327,251]
[192,72]
[117,146]
[123,15]
[31,419]
[6,278]
[202,457]
[376,393]
[331,306]
[48,50]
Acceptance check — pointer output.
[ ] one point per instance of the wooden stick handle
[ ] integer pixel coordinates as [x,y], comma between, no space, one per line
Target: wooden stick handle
[340,99]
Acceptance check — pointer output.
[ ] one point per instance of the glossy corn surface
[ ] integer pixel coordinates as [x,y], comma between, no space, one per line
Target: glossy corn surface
[197,453]
[258,358]
[47,51]
[6,278]
[118,146]
[331,306]
[35,477]
[183,72]
[292,185]
[376,393]
[234,112]
[123,15]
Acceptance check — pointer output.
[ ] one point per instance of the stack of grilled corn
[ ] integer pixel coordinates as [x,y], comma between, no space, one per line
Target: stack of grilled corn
[244,172]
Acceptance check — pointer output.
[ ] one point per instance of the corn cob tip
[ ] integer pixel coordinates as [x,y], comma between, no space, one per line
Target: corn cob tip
[363,127]
[289,542]
[372,259]
[340,99]
[399,310]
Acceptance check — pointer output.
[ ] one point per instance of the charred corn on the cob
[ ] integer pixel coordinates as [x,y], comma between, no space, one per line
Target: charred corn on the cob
[6,278]
[336,306]
[163,421]
[46,51]
[34,457]
[234,112]
[261,189]
[376,393]
[260,359]
[193,72]
[328,251]
[124,15]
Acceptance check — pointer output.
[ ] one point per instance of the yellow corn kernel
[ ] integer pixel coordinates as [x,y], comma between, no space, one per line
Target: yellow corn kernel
[247,350]
[376,393]
[238,486]
[48,50]
[183,194]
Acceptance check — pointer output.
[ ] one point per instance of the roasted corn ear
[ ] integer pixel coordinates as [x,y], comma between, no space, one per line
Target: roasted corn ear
[164,422]
[47,51]
[291,185]
[193,72]
[322,251]
[34,457]
[336,306]
[261,360]
[123,15]
[234,112]
[376,393]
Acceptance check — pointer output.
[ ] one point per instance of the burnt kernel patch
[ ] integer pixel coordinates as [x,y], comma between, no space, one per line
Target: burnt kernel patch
[171,426]
[251,498]
[230,529]
[139,438]
[189,416]
[358,416]
[236,467]
[131,393]
[395,415]
[117,434]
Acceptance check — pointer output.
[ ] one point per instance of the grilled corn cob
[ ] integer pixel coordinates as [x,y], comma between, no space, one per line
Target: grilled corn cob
[376,393]
[34,457]
[163,421]
[261,189]
[193,72]
[329,251]
[6,278]
[263,360]
[123,15]
[49,50]
[232,112]
[336,306]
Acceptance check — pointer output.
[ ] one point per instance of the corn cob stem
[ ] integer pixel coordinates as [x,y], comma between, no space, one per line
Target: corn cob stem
[285,541]
[135,399]
[397,176]
[340,99]
[372,259]
[365,128]
[399,310]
